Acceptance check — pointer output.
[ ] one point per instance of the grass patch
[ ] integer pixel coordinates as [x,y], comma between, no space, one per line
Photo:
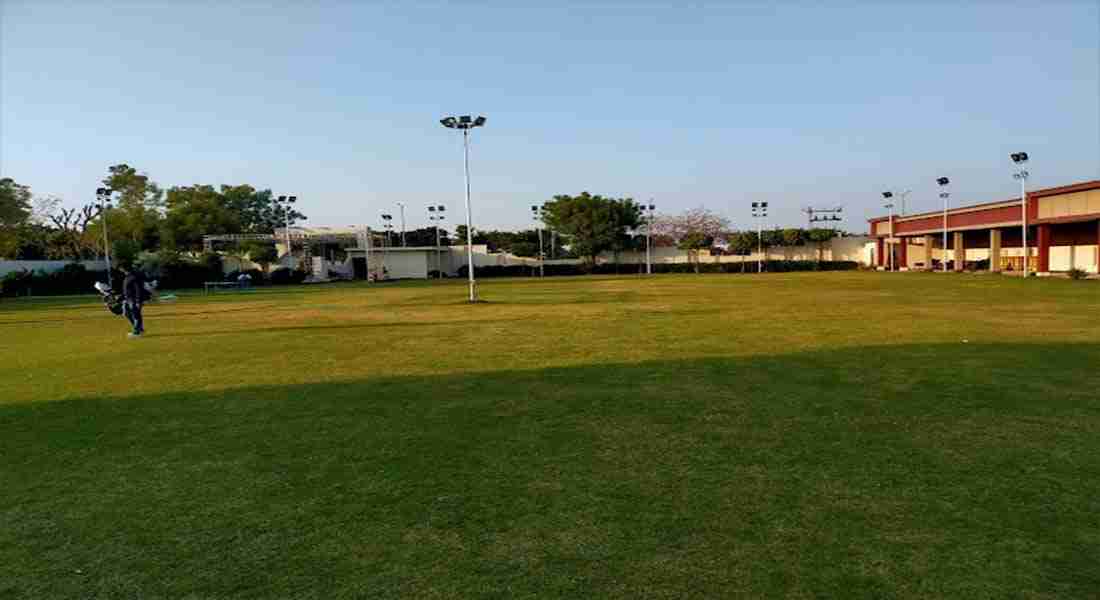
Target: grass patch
[800,435]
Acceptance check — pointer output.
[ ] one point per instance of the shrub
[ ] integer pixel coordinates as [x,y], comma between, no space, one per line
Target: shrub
[256,274]
[285,276]
[15,283]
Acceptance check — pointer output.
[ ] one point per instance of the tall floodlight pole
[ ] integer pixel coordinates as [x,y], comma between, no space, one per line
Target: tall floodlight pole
[888,195]
[103,195]
[760,213]
[401,206]
[890,244]
[286,202]
[436,215]
[466,123]
[1020,158]
[649,237]
[387,225]
[945,195]
[536,214]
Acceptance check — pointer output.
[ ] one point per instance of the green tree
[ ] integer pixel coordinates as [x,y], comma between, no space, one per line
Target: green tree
[820,237]
[259,213]
[140,204]
[789,238]
[15,211]
[261,253]
[592,223]
[15,203]
[124,252]
[195,211]
[742,243]
[425,236]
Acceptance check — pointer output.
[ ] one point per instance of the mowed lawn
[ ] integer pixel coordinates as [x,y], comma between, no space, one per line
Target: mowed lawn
[848,435]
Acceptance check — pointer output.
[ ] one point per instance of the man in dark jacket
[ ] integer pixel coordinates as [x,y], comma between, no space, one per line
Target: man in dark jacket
[133,296]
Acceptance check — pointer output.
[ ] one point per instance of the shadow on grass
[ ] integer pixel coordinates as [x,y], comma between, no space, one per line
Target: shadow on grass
[909,471]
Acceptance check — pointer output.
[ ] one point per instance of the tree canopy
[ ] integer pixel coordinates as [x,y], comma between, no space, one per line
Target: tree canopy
[593,223]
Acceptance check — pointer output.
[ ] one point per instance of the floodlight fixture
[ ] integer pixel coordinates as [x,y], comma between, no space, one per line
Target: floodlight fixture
[943,180]
[1019,157]
[888,195]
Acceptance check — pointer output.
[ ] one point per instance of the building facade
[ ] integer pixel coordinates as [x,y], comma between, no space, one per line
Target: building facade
[1063,233]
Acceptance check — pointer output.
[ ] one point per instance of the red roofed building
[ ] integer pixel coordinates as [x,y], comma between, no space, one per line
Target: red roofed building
[1063,234]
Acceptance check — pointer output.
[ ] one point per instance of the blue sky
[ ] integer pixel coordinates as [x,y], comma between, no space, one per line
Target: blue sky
[794,103]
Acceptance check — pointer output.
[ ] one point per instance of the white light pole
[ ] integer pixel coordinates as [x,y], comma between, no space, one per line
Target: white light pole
[401,205]
[104,197]
[648,237]
[387,225]
[435,214]
[1020,158]
[285,202]
[760,212]
[466,123]
[890,242]
[945,194]
[536,214]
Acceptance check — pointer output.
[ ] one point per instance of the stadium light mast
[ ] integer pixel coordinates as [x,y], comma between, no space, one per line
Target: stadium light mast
[466,123]
[401,206]
[436,215]
[103,195]
[647,210]
[890,244]
[945,194]
[760,212]
[536,214]
[1020,158]
[387,225]
[286,202]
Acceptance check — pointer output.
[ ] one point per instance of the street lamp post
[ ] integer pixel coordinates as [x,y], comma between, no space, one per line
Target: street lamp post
[466,123]
[536,214]
[103,195]
[760,213]
[1020,158]
[436,215]
[945,195]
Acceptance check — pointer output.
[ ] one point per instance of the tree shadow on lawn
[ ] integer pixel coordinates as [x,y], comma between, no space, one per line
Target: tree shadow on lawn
[908,471]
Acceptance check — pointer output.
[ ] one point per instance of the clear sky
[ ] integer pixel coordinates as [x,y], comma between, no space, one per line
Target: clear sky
[795,103]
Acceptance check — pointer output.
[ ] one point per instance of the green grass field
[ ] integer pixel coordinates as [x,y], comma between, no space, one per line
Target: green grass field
[849,435]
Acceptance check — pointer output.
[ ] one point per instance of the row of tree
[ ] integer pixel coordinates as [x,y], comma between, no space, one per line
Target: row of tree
[141,217]
[147,218]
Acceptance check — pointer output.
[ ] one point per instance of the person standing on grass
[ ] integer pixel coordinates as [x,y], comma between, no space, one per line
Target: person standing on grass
[133,296]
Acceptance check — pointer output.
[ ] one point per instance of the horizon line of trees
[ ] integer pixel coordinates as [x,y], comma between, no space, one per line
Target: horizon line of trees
[142,217]
[146,218]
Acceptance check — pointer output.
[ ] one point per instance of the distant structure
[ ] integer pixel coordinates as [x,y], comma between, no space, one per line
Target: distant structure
[1063,226]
